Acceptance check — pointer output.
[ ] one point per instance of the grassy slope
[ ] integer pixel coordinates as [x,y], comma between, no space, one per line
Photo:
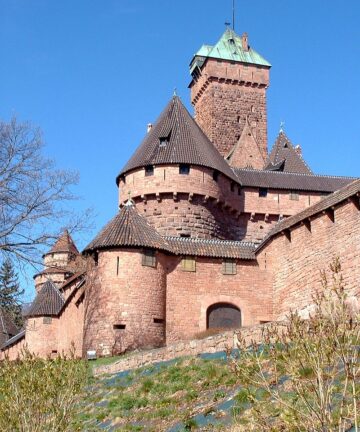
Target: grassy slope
[160,398]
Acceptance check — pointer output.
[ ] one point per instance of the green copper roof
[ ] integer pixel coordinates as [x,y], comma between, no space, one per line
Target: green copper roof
[230,48]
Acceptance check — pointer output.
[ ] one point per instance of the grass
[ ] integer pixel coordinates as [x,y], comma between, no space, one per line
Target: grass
[154,399]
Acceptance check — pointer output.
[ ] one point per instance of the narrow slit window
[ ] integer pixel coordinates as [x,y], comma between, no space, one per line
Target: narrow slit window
[215,175]
[119,326]
[188,264]
[229,267]
[117,265]
[149,258]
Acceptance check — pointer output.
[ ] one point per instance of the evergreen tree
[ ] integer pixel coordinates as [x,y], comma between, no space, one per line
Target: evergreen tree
[10,292]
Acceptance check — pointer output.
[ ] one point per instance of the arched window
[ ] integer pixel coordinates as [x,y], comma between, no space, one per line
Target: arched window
[223,315]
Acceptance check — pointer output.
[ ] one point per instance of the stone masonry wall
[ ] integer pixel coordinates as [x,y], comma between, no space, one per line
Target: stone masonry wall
[296,264]
[218,343]
[132,296]
[189,294]
[192,204]
[225,97]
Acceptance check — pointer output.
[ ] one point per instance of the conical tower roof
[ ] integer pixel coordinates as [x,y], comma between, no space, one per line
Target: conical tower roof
[176,138]
[284,157]
[65,243]
[127,229]
[48,302]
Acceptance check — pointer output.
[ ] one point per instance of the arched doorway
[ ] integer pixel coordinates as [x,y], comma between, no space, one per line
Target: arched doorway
[223,315]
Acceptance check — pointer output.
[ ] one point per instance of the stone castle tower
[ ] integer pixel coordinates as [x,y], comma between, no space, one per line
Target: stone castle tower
[228,92]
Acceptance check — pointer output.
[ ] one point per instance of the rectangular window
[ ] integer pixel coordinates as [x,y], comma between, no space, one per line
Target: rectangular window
[263,192]
[188,264]
[159,321]
[229,267]
[149,170]
[47,320]
[294,196]
[119,326]
[163,141]
[184,169]
[149,258]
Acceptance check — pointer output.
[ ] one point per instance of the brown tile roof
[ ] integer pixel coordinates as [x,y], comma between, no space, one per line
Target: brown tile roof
[284,157]
[7,325]
[326,203]
[72,278]
[127,228]
[48,302]
[65,243]
[186,143]
[13,340]
[211,248]
[291,181]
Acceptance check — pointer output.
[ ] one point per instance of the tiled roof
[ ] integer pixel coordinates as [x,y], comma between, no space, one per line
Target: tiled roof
[14,339]
[48,302]
[229,47]
[211,248]
[290,181]
[176,138]
[326,203]
[7,325]
[65,243]
[127,228]
[72,278]
[284,156]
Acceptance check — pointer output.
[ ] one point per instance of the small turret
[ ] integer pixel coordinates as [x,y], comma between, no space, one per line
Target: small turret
[59,262]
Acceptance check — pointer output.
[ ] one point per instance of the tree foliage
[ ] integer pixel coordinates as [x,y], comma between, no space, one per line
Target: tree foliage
[40,394]
[10,292]
[306,376]
[33,193]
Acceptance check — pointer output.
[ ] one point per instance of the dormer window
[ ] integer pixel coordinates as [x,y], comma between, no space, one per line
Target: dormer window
[184,169]
[163,141]
[149,170]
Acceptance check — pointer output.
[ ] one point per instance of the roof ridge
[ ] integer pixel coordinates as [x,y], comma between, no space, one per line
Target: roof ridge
[294,173]
[199,240]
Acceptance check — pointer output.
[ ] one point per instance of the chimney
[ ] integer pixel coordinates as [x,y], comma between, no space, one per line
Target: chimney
[298,150]
[149,127]
[245,42]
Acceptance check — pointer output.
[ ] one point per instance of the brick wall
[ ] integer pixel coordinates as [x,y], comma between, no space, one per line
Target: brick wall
[133,297]
[225,97]
[189,294]
[296,264]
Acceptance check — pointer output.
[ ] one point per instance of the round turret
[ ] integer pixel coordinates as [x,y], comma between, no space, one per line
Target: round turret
[180,182]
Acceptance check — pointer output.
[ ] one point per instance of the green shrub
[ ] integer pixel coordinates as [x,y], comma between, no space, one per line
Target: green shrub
[40,394]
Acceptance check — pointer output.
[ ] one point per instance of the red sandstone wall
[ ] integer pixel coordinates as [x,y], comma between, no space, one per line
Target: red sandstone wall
[296,265]
[42,339]
[71,327]
[225,96]
[134,297]
[192,204]
[189,294]
[13,352]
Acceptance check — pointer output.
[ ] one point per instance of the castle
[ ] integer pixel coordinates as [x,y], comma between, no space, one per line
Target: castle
[213,230]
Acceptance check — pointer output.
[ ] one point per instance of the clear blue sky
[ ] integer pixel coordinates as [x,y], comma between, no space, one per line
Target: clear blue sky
[93,73]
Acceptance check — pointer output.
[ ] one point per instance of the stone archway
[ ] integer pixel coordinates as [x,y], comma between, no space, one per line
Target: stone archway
[223,315]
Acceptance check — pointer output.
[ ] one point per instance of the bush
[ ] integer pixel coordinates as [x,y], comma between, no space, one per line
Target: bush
[305,377]
[40,394]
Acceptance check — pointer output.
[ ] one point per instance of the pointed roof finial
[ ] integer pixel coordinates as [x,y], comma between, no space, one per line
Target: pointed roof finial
[175,92]
[282,126]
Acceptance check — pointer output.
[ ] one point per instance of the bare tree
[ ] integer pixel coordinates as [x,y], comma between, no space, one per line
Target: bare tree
[33,193]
